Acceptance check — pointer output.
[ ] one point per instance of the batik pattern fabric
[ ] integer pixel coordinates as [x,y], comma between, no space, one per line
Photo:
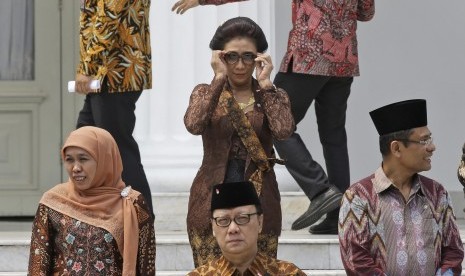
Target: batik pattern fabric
[323,38]
[381,233]
[115,43]
[61,245]
[205,248]
[262,265]
[248,138]
[270,118]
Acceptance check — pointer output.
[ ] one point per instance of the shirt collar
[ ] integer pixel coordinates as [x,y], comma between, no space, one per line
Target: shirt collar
[381,182]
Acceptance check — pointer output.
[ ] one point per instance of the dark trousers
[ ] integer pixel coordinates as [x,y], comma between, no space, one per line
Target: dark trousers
[114,112]
[330,95]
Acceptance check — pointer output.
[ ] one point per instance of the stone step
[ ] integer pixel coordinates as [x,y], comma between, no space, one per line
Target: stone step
[317,252]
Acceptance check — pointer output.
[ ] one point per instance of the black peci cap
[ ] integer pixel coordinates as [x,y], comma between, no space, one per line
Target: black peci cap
[400,116]
[233,194]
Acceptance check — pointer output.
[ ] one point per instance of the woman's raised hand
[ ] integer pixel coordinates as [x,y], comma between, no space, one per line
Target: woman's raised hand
[218,64]
[263,68]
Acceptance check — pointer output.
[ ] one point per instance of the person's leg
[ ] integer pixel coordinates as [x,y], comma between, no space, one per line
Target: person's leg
[115,113]
[309,175]
[85,117]
[330,109]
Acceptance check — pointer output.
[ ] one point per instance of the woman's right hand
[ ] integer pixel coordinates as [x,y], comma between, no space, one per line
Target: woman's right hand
[218,64]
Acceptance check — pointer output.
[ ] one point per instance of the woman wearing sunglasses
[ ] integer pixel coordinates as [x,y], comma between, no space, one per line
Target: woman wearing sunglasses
[238,116]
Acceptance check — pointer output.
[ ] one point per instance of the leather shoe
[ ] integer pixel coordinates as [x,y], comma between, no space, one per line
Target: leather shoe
[320,205]
[327,226]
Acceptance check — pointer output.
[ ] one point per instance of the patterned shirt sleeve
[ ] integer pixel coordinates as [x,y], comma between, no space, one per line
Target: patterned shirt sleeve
[202,104]
[41,245]
[147,253]
[365,10]
[277,109]
[452,247]
[218,2]
[354,235]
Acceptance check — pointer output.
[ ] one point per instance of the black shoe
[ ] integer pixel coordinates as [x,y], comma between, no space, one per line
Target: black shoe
[327,226]
[320,205]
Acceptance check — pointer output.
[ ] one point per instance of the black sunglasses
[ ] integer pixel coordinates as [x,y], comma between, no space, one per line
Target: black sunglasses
[233,57]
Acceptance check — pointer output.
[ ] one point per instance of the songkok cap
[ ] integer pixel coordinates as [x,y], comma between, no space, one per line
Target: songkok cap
[400,116]
[233,194]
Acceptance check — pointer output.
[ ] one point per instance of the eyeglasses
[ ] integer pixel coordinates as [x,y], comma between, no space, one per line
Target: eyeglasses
[424,142]
[233,57]
[239,220]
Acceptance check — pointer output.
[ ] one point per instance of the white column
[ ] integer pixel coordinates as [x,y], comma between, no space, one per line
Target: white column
[181,59]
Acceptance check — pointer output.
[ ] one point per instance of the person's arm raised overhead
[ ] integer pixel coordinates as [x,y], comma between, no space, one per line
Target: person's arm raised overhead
[181,6]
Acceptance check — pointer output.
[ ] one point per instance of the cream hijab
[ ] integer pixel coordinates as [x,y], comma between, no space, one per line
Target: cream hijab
[107,204]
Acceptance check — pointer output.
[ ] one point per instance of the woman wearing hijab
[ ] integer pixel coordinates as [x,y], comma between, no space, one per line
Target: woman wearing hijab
[93,224]
[238,117]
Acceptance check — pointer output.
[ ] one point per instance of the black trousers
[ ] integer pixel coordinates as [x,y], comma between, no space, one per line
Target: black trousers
[114,112]
[330,95]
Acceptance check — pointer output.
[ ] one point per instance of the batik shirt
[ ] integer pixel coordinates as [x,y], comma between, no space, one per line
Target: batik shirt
[261,266]
[323,38]
[115,43]
[381,232]
[61,245]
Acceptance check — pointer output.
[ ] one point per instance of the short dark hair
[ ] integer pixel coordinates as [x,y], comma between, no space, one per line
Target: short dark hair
[239,27]
[386,139]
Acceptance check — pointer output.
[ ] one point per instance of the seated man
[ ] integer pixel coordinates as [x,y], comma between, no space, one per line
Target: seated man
[396,221]
[237,220]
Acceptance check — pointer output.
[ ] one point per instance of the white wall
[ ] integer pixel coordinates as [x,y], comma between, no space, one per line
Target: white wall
[411,49]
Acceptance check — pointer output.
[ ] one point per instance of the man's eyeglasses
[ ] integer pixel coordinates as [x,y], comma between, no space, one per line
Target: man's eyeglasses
[239,220]
[233,57]
[424,142]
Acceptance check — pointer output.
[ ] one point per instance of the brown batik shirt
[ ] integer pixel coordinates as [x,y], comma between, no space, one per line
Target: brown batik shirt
[261,266]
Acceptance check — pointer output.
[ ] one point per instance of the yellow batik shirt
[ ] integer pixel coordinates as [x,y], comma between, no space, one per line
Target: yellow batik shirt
[115,43]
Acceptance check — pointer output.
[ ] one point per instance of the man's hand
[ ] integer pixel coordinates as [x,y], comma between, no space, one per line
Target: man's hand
[82,85]
[182,6]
